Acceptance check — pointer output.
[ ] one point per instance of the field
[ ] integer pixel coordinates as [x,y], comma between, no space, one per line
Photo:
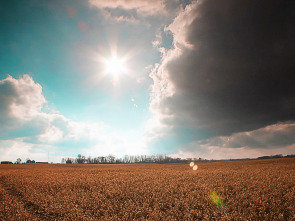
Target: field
[244,190]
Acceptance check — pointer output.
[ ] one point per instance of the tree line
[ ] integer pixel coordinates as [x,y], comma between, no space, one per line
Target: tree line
[111,159]
[127,159]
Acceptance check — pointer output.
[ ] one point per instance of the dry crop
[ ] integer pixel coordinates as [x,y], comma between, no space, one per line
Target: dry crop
[244,190]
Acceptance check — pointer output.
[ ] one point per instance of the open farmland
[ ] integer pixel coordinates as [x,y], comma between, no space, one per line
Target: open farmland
[244,190]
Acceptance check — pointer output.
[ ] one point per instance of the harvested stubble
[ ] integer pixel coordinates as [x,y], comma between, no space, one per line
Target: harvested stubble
[249,190]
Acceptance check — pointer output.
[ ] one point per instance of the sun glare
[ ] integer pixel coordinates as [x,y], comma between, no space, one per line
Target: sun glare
[115,66]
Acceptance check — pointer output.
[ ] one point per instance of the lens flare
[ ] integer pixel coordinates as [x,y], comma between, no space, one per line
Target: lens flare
[191,164]
[217,200]
[195,167]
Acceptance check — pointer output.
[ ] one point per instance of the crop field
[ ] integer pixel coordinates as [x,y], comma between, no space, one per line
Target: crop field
[244,190]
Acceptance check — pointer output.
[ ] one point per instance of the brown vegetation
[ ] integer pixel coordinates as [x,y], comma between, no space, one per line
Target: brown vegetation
[245,190]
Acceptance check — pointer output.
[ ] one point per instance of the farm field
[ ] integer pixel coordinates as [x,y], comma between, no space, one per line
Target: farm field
[242,190]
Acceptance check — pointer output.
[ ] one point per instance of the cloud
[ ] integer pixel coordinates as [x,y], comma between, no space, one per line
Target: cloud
[133,11]
[18,148]
[270,140]
[20,101]
[121,17]
[272,136]
[143,7]
[230,70]
[20,98]
[23,106]
[130,143]
[218,153]
[30,129]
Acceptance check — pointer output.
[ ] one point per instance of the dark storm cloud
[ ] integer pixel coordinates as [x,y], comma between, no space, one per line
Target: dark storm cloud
[272,136]
[232,68]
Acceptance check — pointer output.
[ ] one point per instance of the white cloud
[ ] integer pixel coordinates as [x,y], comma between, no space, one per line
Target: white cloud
[118,145]
[18,148]
[120,17]
[181,24]
[143,7]
[22,101]
[80,130]
[51,134]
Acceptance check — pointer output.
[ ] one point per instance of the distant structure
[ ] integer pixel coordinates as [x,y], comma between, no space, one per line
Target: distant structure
[6,162]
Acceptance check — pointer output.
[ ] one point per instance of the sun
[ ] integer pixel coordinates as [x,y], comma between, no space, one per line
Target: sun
[115,66]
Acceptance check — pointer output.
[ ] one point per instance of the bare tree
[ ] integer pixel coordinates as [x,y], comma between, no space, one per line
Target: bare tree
[69,161]
[81,159]
[18,160]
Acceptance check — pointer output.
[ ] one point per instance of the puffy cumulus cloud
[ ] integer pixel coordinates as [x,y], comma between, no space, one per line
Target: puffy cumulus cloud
[20,99]
[230,70]
[22,105]
[30,131]
[51,134]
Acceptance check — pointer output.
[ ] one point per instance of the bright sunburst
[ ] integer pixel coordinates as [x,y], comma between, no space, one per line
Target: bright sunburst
[115,66]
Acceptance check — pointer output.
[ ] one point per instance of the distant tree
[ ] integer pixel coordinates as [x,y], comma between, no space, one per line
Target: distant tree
[110,159]
[95,160]
[69,161]
[80,159]
[89,160]
[126,159]
[264,157]
[18,160]
[101,159]
[277,156]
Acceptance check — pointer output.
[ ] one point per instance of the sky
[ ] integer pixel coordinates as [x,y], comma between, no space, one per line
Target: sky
[189,79]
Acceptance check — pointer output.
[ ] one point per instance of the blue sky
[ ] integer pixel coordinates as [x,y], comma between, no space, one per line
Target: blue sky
[186,67]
